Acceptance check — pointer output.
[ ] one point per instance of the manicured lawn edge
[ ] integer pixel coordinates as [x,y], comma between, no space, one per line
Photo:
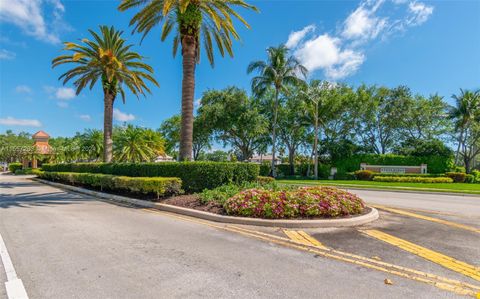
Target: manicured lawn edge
[471,193]
[372,215]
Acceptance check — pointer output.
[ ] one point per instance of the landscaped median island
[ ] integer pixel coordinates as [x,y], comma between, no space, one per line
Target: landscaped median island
[236,193]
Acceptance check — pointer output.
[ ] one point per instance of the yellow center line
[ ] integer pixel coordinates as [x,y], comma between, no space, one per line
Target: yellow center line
[432,279]
[441,221]
[433,256]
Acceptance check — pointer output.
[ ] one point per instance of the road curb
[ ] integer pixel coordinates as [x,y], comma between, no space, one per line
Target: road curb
[320,223]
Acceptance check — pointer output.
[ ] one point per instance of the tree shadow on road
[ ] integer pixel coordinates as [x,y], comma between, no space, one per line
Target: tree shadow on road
[31,199]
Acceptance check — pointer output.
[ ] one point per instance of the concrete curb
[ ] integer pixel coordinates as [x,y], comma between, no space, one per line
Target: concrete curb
[320,223]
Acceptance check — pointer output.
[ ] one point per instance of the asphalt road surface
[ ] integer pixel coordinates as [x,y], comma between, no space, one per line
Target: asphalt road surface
[67,245]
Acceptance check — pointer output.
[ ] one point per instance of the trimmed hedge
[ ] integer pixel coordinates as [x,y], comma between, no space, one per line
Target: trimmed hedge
[157,186]
[195,176]
[364,175]
[12,167]
[409,179]
[426,175]
[457,177]
[435,164]
[265,180]
[35,171]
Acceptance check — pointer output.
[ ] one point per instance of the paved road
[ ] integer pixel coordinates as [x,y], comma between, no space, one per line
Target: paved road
[66,245]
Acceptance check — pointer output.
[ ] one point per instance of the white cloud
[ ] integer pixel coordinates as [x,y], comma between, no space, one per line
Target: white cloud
[10,121]
[121,116]
[7,55]
[341,55]
[85,117]
[23,89]
[65,93]
[297,36]
[38,18]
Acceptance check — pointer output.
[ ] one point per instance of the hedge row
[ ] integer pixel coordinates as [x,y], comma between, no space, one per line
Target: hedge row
[155,186]
[408,179]
[435,164]
[12,167]
[196,176]
[425,175]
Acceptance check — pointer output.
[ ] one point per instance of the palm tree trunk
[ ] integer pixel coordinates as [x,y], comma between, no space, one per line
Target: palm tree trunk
[315,143]
[188,90]
[458,148]
[274,136]
[109,98]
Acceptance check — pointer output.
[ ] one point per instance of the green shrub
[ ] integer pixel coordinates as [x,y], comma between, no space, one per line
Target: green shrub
[265,168]
[364,175]
[428,175]
[34,171]
[195,176]
[409,179]
[318,201]
[222,193]
[435,164]
[469,178]
[12,167]
[262,180]
[141,185]
[457,177]
[476,176]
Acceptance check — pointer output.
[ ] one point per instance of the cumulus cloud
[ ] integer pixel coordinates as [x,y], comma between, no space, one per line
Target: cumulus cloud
[60,93]
[85,117]
[297,36]
[7,55]
[11,121]
[23,89]
[40,19]
[341,54]
[121,116]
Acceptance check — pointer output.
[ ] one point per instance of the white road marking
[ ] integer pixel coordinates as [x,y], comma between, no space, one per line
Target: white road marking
[14,285]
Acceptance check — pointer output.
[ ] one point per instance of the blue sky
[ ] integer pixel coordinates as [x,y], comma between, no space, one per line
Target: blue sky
[430,46]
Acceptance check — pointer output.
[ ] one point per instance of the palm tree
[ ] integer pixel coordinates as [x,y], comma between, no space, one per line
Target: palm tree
[279,71]
[106,58]
[465,112]
[135,144]
[192,20]
[92,144]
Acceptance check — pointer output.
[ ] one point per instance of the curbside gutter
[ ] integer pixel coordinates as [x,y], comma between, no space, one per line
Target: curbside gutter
[320,223]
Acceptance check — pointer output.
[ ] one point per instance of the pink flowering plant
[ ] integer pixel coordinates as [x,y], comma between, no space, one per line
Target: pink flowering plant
[304,202]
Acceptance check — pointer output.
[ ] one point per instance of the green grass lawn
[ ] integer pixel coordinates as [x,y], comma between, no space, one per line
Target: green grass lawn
[436,187]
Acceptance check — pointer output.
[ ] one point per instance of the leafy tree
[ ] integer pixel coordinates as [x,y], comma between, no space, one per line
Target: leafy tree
[216,156]
[292,125]
[210,20]
[12,146]
[135,144]
[279,71]
[424,147]
[235,119]
[381,115]
[108,59]
[466,117]
[92,144]
[202,135]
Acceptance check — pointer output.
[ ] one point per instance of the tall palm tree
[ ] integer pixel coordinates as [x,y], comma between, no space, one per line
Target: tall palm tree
[464,113]
[192,21]
[279,71]
[109,59]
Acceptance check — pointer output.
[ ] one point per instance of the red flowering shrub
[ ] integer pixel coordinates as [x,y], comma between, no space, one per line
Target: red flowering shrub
[298,203]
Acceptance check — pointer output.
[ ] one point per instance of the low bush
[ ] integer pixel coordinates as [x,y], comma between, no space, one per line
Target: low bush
[195,176]
[159,187]
[364,175]
[12,167]
[265,168]
[428,175]
[410,179]
[262,180]
[34,171]
[457,177]
[476,176]
[469,178]
[222,193]
[308,202]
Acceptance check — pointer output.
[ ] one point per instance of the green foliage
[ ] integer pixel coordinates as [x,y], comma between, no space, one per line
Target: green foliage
[457,177]
[364,175]
[293,203]
[263,180]
[424,148]
[12,167]
[435,164]
[429,175]
[33,171]
[195,176]
[476,176]
[13,147]
[136,144]
[409,179]
[160,187]
[469,178]
[224,192]
[265,169]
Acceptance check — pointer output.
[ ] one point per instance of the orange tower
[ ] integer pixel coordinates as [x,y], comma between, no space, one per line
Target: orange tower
[40,143]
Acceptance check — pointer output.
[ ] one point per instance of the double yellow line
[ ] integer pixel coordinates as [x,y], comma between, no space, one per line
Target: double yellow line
[433,256]
[303,244]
